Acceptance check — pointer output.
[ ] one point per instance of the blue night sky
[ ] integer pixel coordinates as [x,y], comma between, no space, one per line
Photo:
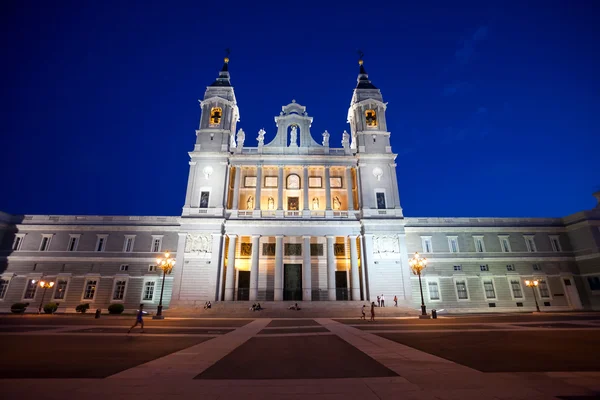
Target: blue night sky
[494,107]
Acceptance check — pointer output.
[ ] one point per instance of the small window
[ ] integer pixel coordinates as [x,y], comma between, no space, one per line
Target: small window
[339,249]
[515,286]
[18,242]
[316,249]
[555,243]
[204,197]
[461,290]
[3,287]
[547,304]
[453,244]
[458,267]
[268,249]
[60,288]
[148,291]
[491,305]
[484,268]
[215,115]
[151,268]
[30,289]
[505,244]
[543,289]
[119,292]
[73,242]
[490,293]
[426,244]
[124,267]
[380,196]
[90,289]
[567,282]
[45,244]
[371,118]
[530,242]
[101,242]
[594,282]
[128,244]
[537,267]
[156,244]
[479,245]
[510,267]
[519,304]
[434,292]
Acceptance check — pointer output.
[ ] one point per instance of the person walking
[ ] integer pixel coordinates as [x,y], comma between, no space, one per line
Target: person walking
[139,319]
[395,301]
[382,300]
[372,311]
[378,301]
[363,313]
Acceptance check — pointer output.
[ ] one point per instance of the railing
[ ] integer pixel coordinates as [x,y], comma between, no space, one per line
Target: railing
[340,214]
[293,214]
[268,214]
[244,213]
[317,214]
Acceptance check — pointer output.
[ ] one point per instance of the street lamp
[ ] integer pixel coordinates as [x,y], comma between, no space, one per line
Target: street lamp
[532,285]
[417,264]
[44,285]
[166,264]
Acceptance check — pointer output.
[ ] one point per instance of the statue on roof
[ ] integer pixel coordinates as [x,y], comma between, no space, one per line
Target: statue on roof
[241,136]
[326,138]
[261,137]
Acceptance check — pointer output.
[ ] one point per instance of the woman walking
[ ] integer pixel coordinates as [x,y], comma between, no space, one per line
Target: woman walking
[372,311]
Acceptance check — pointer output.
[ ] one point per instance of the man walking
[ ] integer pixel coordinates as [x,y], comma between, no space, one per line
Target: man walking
[395,301]
[382,300]
[139,319]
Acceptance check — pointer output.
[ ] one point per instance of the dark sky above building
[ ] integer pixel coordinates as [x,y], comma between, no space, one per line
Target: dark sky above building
[494,106]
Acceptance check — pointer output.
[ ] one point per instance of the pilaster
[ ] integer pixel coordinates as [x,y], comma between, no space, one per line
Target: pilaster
[330,268]
[236,188]
[254,267]
[278,284]
[230,274]
[354,280]
[306,270]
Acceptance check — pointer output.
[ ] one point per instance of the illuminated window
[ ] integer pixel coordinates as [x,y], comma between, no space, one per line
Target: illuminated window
[90,290]
[215,115]
[371,118]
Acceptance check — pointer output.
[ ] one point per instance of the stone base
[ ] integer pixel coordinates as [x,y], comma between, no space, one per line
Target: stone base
[424,316]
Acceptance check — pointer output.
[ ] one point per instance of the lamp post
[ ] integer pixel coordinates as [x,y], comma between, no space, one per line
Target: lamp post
[166,264]
[532,285]
[44,285]
[417,264]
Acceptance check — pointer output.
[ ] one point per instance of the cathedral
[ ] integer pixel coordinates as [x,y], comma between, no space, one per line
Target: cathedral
[299,218]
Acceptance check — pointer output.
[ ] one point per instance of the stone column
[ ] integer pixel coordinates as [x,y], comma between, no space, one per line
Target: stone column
[280,188]
[230,274]
[305,187]
[190,188]
[327,189]
[278,284]
[254,267]
[178,268]
[215,278]
[330,268]
[349,188]
[355,284]
[306,270]
[396,194]
[258,187]
[236,188]
[368,262]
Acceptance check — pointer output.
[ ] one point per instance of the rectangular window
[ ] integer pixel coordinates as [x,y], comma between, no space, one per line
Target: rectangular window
[73,243]
[530,242]
[543,289]
[101,242]
[484,268]
[204,196]
[156,244]
[490,293]
[426,244]
[128,244]
[434,293]
[148,291]
[515,286]
[479,245]
[461,290]
[268,249]
[453,244]
[292,249]
[60,289]
[90,289]
[537,267]
[594,282]
[30,289]
[380,200]
[18,242]
[316,249]
[3,287]
[45,245]
[458,267]
[339,249]
[505,244]
[124,267]
[151,268]
[510,267]
[555,243]
[119,292]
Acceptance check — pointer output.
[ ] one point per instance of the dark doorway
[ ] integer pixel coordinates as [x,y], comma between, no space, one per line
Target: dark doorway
[243,285]
[292,282]
[341,285]
[292,203]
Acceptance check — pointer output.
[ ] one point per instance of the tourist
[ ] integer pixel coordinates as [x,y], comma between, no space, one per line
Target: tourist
[382,300]
[378,301]
[207,305]
[139,319]
[372,311]
[395,301]
[258,307]
[253,308]
[363,313]
[294,307]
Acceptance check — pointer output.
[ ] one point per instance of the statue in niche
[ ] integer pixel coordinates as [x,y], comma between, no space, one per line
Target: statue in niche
[271,203]
[315,203]
[326,139]
[241,136]
[232,143]
[294,136]
[345,139]
[250,203]
[261,137]
[336,203]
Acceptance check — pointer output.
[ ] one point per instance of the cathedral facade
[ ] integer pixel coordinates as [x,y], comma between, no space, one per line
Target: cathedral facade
[299,219]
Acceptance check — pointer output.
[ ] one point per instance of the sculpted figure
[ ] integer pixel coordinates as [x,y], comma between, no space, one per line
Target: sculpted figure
[261,137]
[250,203]
[315,203]
[326,139]
[345,140]
[241,136]
[294,136]
[336,203]
[271,203]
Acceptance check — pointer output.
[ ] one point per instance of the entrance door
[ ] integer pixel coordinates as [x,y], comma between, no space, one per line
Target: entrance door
[341,285]
[293,204]
[243,285]
[572,295]
[292,282]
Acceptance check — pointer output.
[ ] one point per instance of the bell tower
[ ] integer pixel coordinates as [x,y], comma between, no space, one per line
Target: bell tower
[366,117]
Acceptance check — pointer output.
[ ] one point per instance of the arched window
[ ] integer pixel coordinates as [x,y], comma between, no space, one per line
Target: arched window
[371,118]
[215,115]
[293,182]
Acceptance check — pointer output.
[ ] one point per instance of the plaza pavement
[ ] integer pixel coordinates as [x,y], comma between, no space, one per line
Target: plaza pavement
[316,358]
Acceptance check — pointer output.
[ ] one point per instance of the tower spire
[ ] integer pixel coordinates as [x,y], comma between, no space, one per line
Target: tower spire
[223,79]
[363,81]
